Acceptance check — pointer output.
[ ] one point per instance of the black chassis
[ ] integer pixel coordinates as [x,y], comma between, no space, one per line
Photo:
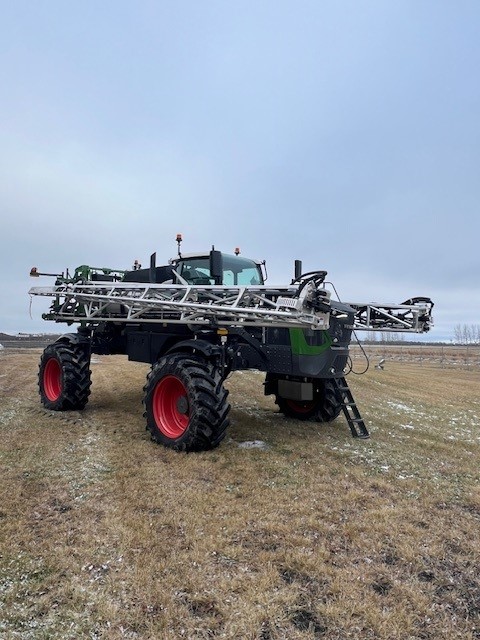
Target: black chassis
[277,351]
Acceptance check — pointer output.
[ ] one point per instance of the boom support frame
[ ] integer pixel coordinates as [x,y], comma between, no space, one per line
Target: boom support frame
[219,305]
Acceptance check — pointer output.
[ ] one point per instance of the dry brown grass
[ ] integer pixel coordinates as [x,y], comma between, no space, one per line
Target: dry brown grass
[105,535]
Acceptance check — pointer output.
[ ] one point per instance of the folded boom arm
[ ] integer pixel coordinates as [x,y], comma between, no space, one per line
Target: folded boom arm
[304,306]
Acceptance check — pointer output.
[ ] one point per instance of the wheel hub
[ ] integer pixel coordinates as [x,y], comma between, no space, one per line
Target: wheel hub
[170,407]
[182,405]
[52,380]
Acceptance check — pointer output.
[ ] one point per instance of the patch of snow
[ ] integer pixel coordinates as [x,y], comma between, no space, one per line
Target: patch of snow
[254,444]
[399,406]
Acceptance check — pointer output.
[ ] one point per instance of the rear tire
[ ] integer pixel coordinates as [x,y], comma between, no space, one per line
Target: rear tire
[186,405]
[64,376]
[325,406]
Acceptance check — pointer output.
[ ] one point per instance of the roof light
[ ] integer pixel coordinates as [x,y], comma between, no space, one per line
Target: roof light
[179,242]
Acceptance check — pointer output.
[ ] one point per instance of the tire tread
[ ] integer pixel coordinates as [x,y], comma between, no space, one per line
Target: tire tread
[210,408]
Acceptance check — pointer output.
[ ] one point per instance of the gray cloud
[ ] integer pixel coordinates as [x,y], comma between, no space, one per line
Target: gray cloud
[346,135]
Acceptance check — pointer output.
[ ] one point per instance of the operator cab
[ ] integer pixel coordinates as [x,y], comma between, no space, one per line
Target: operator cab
[213,268]
[218,268]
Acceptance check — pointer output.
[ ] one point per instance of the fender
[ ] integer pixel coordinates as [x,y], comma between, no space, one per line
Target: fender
[206,348]
[75,339]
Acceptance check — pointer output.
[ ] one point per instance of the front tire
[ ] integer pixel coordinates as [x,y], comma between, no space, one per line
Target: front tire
[186,405]
[64,376]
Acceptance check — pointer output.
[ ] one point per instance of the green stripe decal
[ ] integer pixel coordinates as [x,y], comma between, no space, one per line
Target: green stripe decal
[300,346]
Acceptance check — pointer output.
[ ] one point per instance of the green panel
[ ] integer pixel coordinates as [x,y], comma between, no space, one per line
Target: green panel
[300,346]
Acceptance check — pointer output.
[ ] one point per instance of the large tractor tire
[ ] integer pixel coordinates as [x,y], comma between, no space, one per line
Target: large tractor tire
[325,407]
[186,405]
[64,376]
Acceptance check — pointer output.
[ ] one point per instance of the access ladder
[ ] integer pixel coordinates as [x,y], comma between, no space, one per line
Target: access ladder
[350,409]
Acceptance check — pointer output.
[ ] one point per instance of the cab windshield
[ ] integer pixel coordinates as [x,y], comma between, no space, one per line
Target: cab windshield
[236,271]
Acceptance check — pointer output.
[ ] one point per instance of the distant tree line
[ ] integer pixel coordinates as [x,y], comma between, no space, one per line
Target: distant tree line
[466,333]
[392,337]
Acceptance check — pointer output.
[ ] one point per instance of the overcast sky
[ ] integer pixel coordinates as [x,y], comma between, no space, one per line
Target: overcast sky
[346,134]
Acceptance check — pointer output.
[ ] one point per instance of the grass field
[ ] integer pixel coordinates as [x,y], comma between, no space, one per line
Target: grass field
[104,534]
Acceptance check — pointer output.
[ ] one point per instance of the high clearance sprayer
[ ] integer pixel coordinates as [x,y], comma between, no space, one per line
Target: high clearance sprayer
[200,317]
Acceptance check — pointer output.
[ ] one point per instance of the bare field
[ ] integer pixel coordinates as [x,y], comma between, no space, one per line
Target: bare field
[444,355]
[105,535]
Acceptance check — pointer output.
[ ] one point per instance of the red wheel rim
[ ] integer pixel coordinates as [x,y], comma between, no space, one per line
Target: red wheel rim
[170,407]
[52,379]
[300,407]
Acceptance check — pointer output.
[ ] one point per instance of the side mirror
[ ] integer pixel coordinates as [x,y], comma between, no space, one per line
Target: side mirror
[298,269]
[152,272]
[216,266]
